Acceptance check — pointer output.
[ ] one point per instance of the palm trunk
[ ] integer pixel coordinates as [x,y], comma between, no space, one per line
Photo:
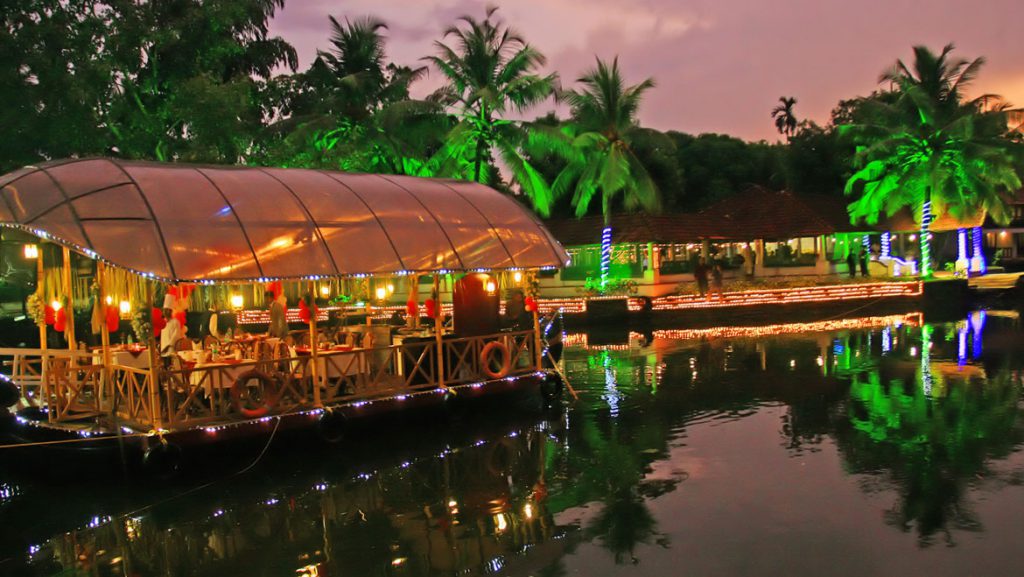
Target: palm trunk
[924,238]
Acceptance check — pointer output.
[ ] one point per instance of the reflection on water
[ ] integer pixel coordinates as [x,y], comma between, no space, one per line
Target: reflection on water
[768,450]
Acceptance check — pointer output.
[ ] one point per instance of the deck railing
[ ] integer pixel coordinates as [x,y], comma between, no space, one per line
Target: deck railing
[180,395]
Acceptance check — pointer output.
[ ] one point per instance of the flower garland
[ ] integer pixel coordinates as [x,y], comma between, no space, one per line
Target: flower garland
[36,309]
[142,325]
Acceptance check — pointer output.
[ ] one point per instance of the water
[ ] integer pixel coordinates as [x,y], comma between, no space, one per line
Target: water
[825,449]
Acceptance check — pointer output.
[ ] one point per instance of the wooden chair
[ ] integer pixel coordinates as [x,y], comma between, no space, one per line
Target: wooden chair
[183,344]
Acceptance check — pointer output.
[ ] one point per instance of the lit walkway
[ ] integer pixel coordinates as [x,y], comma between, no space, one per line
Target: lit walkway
[998,281]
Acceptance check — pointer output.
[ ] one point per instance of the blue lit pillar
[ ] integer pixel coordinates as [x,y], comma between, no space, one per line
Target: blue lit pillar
[978,255]
[886,245]
[606,254]
[962,264]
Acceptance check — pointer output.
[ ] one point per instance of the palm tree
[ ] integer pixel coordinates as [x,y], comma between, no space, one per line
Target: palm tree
[491,71]
[601,156]
[930,149]
[785,120]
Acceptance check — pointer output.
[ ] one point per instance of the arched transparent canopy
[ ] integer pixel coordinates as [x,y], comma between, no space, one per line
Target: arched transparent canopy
[183,222]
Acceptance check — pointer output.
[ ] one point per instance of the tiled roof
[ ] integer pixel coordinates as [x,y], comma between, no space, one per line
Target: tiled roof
[754,213]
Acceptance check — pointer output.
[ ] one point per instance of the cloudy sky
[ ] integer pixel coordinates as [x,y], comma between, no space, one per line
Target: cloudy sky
[720,65]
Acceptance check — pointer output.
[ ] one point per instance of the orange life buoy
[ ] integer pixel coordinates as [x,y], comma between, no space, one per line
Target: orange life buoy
[270,396]
[485,359]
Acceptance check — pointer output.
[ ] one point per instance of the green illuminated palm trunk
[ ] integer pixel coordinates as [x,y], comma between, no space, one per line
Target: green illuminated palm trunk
[924,238]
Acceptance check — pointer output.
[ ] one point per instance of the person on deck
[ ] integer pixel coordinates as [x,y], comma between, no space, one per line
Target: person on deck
[171,333]
[700,273]
[278,325]
[851,263]
[517,317]
[716,280]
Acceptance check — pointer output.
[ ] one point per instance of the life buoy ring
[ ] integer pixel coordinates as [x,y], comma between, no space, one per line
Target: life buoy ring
[551,387]
[269,386]
[332,426]
[500,457]
[486,358]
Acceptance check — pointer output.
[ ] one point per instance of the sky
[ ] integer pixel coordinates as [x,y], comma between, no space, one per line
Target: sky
[719,65]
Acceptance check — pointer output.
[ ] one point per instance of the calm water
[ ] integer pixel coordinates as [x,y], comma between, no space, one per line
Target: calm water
[888,448]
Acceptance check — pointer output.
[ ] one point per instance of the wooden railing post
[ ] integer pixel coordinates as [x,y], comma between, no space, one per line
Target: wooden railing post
[313,349]
[101,281]
[69,314]
[154,364]
[439,329]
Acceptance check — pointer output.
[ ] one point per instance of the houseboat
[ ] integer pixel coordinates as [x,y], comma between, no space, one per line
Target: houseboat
[145,250]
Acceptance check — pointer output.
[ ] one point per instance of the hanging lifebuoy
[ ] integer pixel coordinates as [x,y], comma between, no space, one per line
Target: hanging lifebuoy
[486,357]
[162,460]
[332,426]
[500,456]
[269,386]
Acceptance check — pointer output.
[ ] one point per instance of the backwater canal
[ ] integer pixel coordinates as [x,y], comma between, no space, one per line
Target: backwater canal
[875,446]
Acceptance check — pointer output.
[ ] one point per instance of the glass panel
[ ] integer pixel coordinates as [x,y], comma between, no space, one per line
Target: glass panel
[417,237]
[84,176]
[281,234]
[61,223]
[202,234]
[120,202]
[353,236]
[530,244]
[477,244]
[130,243]
[32,195]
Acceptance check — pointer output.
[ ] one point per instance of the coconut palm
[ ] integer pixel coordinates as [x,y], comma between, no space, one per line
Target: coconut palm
[785,120]
[491,71]
[601,158]
[931,150]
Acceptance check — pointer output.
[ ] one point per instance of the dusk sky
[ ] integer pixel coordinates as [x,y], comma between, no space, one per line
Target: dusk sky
[720,65]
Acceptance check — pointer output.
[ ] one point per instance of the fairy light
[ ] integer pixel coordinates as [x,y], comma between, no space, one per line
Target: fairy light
[886,245]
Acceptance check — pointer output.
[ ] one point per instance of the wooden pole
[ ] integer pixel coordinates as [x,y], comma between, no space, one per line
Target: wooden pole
[313,347]
[101,281]
[439,330]
[40,276]
[69,314]
[539,350]
[154,363]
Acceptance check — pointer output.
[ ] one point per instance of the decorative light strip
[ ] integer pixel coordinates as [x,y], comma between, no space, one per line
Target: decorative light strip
[606,254]
[925,239]
[886,245]
[794,295]
[914,319]
[978,264]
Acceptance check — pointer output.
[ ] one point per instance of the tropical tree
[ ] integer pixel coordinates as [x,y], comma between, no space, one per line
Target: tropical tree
[931,149]
[491,71]
[602,158]
[785,120]
[351,109]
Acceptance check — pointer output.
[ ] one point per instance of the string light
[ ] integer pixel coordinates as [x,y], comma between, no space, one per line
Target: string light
[606,254]
[886,245]
[978,260]
[926,250]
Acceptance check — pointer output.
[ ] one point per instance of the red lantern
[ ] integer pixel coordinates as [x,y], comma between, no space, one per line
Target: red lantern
[531,304]
[61,321]
[275,287]
[49,315]
[412,308]
[113,319]
[158,321]
[430,308]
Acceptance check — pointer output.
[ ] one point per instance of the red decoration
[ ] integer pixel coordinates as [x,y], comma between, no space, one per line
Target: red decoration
[158,321]
[180,315]
[173,291]
[305,314]
[412,308]
[276,288]
[61,321]
[185,290]
[531,304]
[430,308]
[113,319]
[49,315]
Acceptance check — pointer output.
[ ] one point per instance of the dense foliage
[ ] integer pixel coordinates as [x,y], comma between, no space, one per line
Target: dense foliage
[203,81]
